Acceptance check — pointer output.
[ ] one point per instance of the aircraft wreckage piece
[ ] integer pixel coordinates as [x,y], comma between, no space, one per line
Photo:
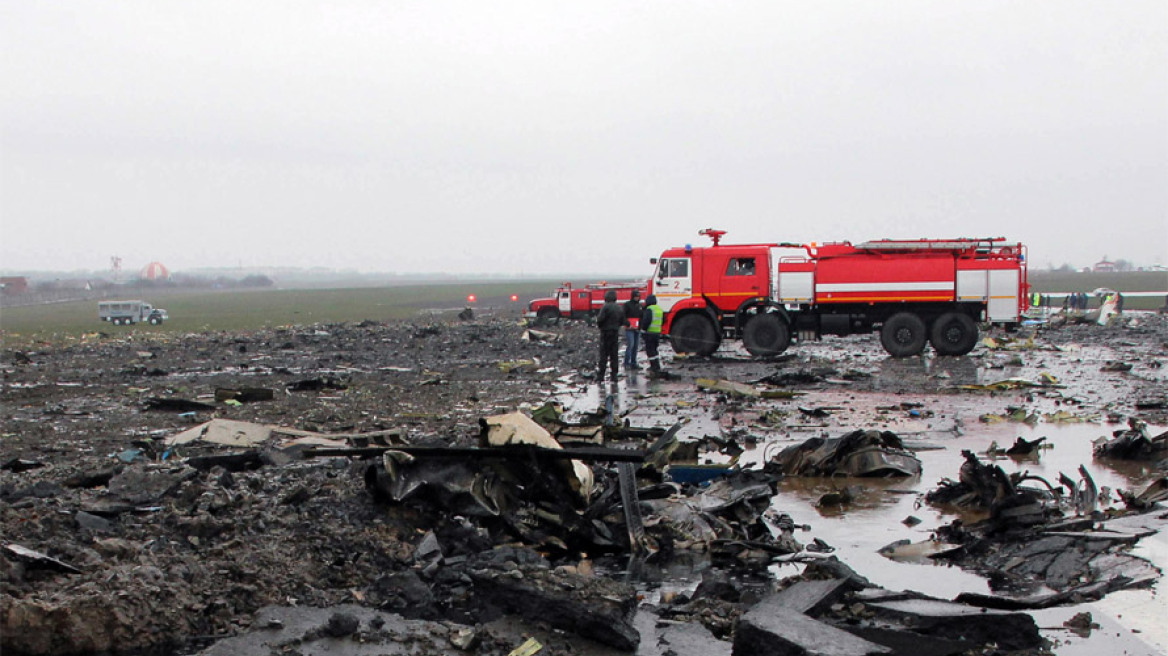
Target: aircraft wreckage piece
[859,453]
[1133,444]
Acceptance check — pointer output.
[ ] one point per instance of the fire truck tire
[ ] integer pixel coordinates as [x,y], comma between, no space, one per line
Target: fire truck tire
[903,335]
[694,333]
[766,335]
[953,333]
[547,316]
[154,321]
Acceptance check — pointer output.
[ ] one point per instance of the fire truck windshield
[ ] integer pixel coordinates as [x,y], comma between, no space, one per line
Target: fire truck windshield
[674,268]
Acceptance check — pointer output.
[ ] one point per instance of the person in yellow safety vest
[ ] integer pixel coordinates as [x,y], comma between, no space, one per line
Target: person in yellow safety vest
[651,321]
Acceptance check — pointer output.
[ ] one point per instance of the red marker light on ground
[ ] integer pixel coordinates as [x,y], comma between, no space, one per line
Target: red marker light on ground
[470,298]
[515,297]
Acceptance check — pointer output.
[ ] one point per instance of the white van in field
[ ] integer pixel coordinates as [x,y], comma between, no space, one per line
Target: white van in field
[124,313]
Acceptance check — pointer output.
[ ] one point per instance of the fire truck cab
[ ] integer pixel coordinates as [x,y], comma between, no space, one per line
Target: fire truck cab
[915,292]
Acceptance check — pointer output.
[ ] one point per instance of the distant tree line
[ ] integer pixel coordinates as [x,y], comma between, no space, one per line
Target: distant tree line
[254,280]
[177,281]
[1120,265]
[74,289]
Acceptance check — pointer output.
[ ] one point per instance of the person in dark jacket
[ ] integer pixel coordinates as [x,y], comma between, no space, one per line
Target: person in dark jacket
[632,333]
[610,320]
[651,321]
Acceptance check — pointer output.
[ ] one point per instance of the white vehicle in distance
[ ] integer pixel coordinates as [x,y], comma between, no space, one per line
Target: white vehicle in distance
[127,313]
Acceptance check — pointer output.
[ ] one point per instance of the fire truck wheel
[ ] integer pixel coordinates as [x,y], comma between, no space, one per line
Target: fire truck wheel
[154,321]
[954,333]
[547,316]
[693,333]
[903,335]
[766,335]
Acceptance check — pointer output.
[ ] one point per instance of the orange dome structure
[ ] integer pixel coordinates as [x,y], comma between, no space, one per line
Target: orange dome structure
[154,271]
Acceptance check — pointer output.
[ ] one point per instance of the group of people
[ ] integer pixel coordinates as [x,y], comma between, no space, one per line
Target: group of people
[1076,301]
[637,320]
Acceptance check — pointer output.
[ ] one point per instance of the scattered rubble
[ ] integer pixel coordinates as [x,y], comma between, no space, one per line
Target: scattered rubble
[371,488]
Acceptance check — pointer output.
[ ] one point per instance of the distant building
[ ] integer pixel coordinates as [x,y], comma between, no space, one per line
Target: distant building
[11,286]
[74,285]
[1104,265]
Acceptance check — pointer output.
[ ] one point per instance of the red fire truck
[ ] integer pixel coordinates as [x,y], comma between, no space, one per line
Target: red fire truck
[914,291]
[580,302]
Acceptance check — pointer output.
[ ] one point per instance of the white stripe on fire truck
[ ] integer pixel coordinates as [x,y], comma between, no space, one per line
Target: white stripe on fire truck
[885,287]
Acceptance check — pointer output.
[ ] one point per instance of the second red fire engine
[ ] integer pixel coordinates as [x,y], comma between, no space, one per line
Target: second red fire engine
[580,302]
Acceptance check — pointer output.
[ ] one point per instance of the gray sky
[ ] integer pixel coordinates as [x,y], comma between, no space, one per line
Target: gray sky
[546,137]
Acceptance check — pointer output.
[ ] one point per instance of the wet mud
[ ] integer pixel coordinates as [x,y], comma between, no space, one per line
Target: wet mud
[115,544]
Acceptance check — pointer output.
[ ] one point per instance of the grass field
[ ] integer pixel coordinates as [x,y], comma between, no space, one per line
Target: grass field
[254,309]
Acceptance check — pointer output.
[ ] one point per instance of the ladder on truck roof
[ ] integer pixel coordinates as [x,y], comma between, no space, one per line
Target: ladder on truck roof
[985,245]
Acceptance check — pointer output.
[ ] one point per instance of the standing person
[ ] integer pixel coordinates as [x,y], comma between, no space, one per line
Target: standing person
[632,330]
[610,320]
[651,321]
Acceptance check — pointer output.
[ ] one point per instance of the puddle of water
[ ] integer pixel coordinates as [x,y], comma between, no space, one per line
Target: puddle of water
[859,531]
[862,528]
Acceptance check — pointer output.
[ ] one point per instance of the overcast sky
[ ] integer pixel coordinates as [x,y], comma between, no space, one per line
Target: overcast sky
[547,137]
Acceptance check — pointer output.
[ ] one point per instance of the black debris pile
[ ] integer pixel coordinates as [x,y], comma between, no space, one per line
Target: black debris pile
[356,629]
[839,616]
[599,608]
[1032,556]
[316,384]
[1061,563]
[1135,443]
[541,499]
[986,487]
[1154,493]
[860,453]
[1023,447]
[799,377]
[728,518]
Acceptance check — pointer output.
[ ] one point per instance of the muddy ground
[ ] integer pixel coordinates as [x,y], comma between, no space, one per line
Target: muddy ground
[179,562]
